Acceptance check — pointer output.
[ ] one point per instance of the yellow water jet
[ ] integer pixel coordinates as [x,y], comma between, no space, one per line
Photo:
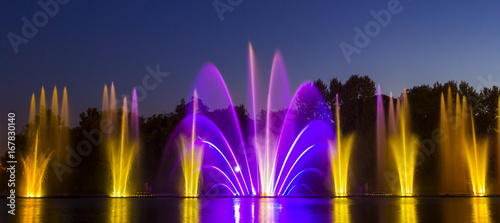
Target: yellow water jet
[340,155]
[45,136]
[191,157]
[404,146]
[121,145]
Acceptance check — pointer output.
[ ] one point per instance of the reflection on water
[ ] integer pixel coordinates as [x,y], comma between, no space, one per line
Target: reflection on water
[481,210]
[237,214]
[408,213]
[31,212]
[221,210]
[266,210]
[120,210]
[341,209]
[190,210]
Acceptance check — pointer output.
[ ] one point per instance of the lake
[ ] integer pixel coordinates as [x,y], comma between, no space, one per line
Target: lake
[289,209]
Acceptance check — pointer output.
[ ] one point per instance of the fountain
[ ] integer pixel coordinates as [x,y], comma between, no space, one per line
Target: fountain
[284,149]
[381,142]
[191,156]
[121,146]
[46,133]
[340,155]
[403,145]
[462,153]
[453,169]
[476,151]
[341,209]
[498,147]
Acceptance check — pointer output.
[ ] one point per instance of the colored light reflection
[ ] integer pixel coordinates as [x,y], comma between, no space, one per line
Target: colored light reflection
[45,139]
[120,210]
[404,146]
[481,210]
[190,210]
[408,213]
[121,147]
[32,211]
[460,131]
[341,210]
[340,155]
[267,209]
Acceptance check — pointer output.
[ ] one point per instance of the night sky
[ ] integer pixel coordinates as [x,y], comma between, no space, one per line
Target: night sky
[91,43]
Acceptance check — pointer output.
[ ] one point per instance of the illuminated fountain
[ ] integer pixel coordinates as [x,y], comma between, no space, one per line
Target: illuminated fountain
[462,152]
[342,209]
[453,165]
[340,155]
[498,147]
[47,133]
[285,149]
[121,146]
[403,144]
[191,156]
[476,151]
[381,142]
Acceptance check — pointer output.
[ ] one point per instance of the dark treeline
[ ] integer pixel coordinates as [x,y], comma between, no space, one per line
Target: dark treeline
[357,98]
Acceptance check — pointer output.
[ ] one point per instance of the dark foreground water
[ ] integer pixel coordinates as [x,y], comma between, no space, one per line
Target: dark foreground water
[356,209]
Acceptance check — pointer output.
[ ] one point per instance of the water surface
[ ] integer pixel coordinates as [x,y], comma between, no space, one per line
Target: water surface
[354,209]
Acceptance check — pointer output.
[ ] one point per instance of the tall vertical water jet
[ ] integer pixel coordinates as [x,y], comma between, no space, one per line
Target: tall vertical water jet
[381,142]
[275,100]
[64,132]
[452,123]
[340,155]
[121,145]
[32,108]
[498,148]
[476,151]
[463,154]
[134,127]
[446,167]
[54,125]
[192,155]
[36,159]
[105,100]
[253,102]
[55,108]
[404,147]
[64,108]
[392,117]
[45,135]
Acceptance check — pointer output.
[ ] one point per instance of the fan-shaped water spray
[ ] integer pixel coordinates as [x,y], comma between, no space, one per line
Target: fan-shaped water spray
[463,153]
[121,145]
[340,155]
[403,145]
[47,135]
[286,147]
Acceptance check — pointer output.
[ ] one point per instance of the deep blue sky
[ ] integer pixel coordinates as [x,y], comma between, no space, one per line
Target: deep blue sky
[90,43]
